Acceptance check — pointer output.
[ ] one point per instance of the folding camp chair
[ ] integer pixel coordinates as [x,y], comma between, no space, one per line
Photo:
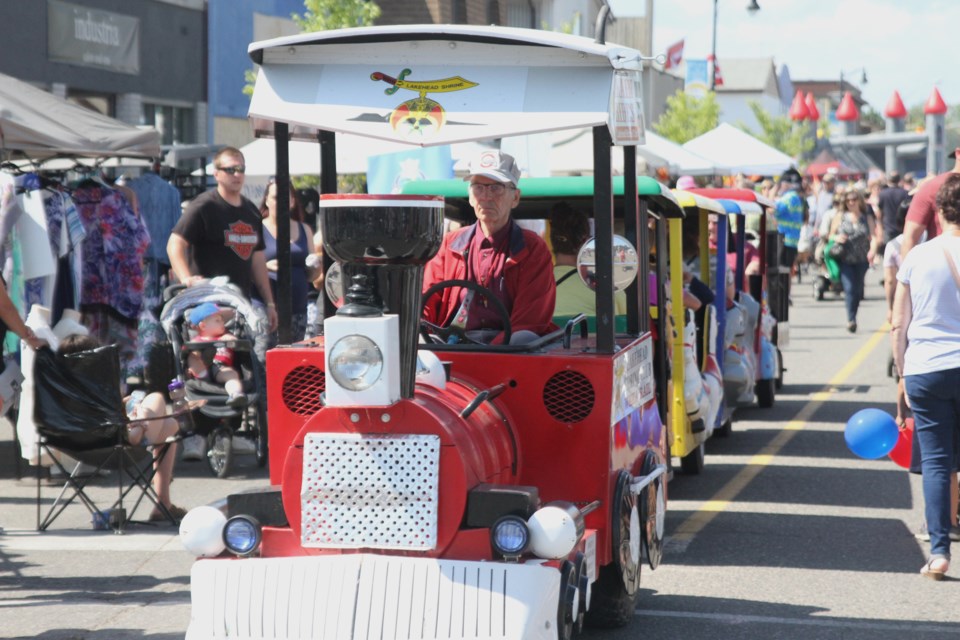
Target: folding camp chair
[79,411]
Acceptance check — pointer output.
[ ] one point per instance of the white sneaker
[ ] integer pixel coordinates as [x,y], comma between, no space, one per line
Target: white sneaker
[194,448]
[243,445]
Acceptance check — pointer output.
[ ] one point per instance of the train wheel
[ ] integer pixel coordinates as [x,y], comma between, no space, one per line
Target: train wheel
[779,378]
[568,608]
[653,513]
[692,463]
[614,595]
[766,390]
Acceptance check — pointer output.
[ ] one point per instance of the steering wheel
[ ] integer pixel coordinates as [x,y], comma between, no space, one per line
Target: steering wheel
[430,330]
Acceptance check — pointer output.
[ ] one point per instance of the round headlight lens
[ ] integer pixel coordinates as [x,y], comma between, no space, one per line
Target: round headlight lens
[241,535]
[510,536]
[356,362]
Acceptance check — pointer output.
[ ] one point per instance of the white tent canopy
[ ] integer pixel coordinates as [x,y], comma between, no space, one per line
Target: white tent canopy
[681,161]
[39,125]
[733,151]
[353,152]
[572,154]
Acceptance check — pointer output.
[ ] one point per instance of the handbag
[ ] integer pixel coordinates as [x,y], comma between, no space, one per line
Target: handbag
[837,251]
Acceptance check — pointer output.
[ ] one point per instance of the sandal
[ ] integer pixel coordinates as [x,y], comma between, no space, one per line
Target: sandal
[175,511]
[935,571]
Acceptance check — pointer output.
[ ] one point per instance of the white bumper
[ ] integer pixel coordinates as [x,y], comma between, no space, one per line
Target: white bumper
[362,596]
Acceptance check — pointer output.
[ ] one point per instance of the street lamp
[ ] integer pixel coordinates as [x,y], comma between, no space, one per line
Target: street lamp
[752,9]
[863,77]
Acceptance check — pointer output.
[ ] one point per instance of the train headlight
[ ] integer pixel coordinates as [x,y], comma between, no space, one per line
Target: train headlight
[356,362]
[510,536]
[201,531]
[555,530]
[242,535]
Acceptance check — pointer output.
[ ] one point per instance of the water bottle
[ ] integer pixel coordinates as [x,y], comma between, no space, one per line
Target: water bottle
[178,396]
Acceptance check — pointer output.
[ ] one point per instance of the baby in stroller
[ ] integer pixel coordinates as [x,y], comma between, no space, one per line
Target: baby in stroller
[211,326]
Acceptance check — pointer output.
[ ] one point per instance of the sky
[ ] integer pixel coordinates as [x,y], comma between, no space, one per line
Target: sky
[905,46]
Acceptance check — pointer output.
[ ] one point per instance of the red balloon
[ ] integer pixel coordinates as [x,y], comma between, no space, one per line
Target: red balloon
[903,450]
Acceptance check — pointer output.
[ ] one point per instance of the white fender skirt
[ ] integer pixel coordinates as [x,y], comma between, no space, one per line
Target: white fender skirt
[365,596]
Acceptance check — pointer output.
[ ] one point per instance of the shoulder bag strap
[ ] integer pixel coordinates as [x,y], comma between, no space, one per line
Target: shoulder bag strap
[953,266]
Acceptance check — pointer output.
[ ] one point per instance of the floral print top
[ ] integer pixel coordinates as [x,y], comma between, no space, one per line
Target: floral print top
[113,250]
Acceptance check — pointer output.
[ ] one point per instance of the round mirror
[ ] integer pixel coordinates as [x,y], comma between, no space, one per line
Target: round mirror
[626,263]
[333,284]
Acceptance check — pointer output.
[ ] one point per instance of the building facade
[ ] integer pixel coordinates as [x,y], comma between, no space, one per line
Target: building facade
[140,61]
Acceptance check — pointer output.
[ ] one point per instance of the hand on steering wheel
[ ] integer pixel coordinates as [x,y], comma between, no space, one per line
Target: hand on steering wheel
[430,330]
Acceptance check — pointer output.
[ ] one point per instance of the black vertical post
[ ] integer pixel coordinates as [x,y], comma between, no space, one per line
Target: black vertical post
[603,229]
[632,230]
[328,184]
[284,299]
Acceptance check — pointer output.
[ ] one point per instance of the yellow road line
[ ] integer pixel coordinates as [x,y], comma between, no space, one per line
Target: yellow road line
[728,492]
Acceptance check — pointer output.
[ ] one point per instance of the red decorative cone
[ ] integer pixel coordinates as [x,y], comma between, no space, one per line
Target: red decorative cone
[798,110]
[847,109]
[895,108]
[812,112]
[935,104]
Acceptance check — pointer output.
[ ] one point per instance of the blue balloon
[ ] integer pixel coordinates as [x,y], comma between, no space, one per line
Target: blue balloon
[871,433]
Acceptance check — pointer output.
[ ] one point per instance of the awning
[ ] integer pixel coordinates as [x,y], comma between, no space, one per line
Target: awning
[39,125]
[429,85]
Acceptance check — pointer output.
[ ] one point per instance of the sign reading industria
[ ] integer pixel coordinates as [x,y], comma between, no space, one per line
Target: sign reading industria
[92,38]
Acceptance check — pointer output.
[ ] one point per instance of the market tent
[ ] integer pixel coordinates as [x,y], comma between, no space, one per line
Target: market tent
[681,161]
[39,125]
[353,152]
[572,154]
[733,151]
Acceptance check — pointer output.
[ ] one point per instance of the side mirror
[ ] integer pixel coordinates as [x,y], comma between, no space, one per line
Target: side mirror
[626,263]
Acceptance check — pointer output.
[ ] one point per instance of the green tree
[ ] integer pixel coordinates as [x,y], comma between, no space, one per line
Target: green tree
[780,132]
[687,117]
[324,15]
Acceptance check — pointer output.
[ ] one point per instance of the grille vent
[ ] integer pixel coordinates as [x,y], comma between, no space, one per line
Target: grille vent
[568,396]
[302,387]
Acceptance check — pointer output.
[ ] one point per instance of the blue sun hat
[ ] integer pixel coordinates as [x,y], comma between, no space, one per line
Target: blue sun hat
[201,312]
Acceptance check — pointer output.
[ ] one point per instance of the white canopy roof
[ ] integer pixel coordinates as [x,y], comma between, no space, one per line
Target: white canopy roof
[734,151]
[572,153]
[39,125]
[353,152]
[428,85]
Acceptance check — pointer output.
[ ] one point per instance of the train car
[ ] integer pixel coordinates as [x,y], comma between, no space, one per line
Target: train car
[767,289]
[426,489]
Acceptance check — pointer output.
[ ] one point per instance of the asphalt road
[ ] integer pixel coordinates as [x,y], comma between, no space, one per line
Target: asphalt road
[784,535]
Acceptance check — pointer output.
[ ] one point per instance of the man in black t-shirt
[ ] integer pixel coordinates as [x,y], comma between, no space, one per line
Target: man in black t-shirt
[221,234]
[889,199]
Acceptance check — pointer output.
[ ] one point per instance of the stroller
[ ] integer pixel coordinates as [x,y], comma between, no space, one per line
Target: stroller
[828,272]
[217,420]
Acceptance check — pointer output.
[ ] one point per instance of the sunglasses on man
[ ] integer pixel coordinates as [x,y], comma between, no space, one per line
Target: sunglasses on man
[233,170]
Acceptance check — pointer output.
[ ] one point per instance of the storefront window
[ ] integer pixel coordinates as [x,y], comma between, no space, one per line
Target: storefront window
[175,124]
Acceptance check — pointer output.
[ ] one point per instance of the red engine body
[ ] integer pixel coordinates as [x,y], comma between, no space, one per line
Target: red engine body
[565,422]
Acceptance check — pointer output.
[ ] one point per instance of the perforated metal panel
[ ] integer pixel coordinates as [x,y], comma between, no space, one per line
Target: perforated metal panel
[370,492]
[568,396]
[302,387]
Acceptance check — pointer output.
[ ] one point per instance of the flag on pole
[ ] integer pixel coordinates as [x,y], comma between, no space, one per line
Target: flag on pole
[717,76]
[674,55]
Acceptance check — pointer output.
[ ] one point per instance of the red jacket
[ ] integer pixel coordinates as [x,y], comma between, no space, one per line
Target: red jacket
[528,276]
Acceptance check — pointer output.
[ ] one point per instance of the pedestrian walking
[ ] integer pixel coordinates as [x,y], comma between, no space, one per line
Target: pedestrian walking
[926,349]
[852,230]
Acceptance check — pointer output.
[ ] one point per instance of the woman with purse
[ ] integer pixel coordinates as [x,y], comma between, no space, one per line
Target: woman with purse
[853,246]
[926,351]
